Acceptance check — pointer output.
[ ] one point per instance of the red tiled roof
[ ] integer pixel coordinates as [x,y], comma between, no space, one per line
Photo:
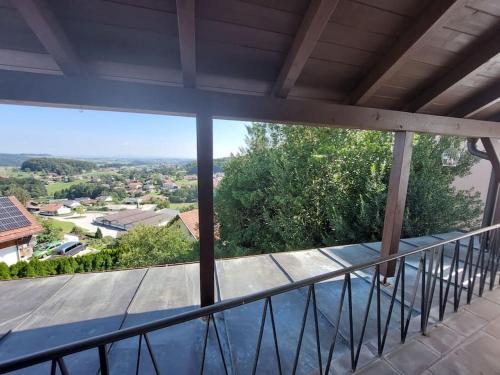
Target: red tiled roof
[191,221]
[51,207]
[27,231]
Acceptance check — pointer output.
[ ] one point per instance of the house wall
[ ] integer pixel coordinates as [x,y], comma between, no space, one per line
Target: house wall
[478,179]
[9,253]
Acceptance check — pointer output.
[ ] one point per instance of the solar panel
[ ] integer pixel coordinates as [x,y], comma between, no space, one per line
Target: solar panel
[10,216]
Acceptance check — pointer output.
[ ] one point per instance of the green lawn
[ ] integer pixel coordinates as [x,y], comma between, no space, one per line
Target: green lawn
[184,182]
[66,226]
[58,186]
[180,206]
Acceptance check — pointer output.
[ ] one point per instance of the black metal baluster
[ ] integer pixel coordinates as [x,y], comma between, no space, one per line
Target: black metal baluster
[138,356]
[403,296]
[151,354]
[259,340]
[103,360]
[365,319]
[379,322]
[318,344]
[464,272]
[441,265]
[472,276]
[205,341]
[414,295]
[422,293]
[351,327]
[301,335]
[221,351]
[62,366]
[452,272]
[53,367]
[430,297]
[275,336]
[391,306]
[337,326]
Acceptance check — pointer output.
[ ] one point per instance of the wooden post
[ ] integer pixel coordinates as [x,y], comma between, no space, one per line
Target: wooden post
[396,198]
[204,137]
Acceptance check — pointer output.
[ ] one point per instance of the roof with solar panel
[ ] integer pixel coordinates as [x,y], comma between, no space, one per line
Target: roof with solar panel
[15,221]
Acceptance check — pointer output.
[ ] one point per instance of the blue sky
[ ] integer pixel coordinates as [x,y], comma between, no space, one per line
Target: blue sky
[73,132]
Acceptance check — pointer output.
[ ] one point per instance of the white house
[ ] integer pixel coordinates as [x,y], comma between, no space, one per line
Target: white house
[71,204]
[54,209]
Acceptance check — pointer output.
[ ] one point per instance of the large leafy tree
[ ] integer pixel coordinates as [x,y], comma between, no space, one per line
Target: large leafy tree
[297,187]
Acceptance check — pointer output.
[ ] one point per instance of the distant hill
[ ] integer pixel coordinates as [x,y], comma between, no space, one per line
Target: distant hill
[57,165]
[192,168]
[16,160]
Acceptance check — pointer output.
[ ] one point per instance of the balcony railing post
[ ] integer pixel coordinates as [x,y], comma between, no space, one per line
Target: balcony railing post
[204,136]
[396,198]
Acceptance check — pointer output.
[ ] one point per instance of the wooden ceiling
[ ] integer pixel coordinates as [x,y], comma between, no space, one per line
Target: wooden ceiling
[430,56]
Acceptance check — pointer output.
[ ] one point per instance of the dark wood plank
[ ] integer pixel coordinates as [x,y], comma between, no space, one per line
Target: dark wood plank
[204,136]
[396,198]
[64,91]
[44,24]
[431,21]
[478,102]
[310,30]
[187,41]
[479,54]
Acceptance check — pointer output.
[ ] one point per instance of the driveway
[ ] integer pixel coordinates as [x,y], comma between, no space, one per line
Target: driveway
[86,220]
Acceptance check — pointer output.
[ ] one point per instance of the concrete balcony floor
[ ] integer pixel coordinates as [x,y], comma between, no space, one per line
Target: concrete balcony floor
[38,314]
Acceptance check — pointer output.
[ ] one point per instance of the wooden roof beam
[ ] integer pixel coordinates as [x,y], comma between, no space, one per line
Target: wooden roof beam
[187,40]
[43,22]
[94,93]
[431,20]
[478,102]
[310,30]
[478,55]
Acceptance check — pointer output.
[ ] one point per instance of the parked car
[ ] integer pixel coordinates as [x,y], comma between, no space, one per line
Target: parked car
[70,248]
[44,250]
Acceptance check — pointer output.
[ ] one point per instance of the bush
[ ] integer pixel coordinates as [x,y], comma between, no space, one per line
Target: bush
[4,271]
[102,261]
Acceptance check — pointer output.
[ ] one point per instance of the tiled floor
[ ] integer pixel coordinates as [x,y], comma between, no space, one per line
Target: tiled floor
[466,342]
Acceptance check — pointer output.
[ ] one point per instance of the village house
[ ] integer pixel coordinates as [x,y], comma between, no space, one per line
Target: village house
[17,228]
[54,209]
[169,184]
[104,198]
[72,204]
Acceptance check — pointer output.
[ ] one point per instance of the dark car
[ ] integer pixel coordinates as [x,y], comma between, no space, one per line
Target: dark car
[70,248]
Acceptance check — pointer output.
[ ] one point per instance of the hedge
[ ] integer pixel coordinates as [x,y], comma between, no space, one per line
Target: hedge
[101,261]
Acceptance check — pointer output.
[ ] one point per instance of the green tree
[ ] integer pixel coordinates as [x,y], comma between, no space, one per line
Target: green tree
[98,234]
[299,187]
[20,193]
[80,210]
[150,245]
[50,232]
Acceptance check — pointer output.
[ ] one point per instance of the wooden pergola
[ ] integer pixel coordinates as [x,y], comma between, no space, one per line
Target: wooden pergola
[395,65]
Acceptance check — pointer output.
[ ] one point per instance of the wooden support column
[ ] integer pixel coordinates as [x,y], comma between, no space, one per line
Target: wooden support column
[204,138]
[492,205]
[396,198]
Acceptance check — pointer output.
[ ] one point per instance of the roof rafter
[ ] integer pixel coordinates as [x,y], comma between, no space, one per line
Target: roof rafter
[48,30]
[187,40]
[64,91]
[482,51]
[310,30]
[478,102]
[432,18]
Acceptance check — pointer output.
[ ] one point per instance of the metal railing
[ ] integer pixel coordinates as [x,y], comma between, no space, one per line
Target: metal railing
[470,274]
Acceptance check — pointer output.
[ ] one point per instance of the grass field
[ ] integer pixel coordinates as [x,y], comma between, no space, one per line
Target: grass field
[66,226]
[58,186]
[180,206]
[184,182]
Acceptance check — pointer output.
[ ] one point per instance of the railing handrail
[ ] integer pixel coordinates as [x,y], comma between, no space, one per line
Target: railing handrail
[125,333]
